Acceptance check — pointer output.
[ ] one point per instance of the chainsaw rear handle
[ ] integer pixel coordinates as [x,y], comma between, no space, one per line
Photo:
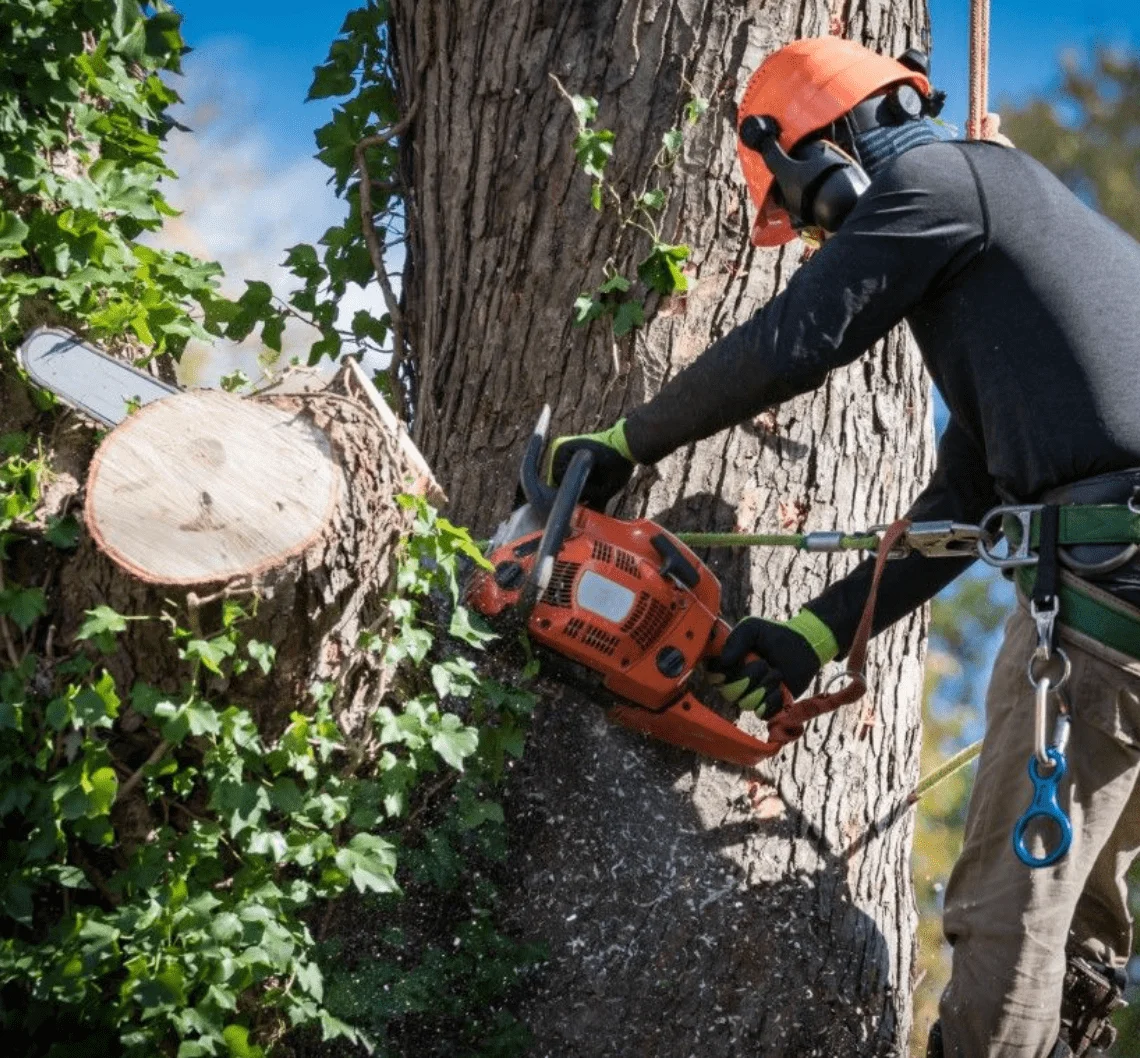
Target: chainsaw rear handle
[566,499]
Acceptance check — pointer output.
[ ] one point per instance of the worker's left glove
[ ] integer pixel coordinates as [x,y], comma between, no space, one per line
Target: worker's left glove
[613,463]
[759,656]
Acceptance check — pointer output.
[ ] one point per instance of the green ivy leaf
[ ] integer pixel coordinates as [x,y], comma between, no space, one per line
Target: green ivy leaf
[369,862]
[236,1037]
[661,269]
[629,315]
[97,704]
[672,142]
[210,652]
[470,628]
[330,80]
[616,284]
[265,654]
[271,332]
[23,605]
[596,195]
[104,785]
[695,108]
[235,380]
[586,308]
[585,108]
[453,741]
[593,148]
[652,200]
[102,625]
[13,232]
[62,532]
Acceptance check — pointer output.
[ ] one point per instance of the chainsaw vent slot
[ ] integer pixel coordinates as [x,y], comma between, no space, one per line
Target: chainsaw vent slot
[626,563]
[602,642]
[560,590]
[573,627]
[603,552]
[649,619]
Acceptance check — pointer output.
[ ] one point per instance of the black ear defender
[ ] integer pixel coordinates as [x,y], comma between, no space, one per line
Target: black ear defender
[819,183]
[917,60]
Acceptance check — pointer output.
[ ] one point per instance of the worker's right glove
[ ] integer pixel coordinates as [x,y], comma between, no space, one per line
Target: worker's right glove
[613,463]
[759,656]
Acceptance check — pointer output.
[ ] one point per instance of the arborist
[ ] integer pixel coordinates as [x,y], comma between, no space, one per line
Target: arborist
[1025,305]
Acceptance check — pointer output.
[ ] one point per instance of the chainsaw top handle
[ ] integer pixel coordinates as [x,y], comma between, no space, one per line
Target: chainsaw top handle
[538,493]
[566,498]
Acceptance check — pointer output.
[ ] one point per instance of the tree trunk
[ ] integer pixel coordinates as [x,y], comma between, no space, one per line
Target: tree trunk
[689,908]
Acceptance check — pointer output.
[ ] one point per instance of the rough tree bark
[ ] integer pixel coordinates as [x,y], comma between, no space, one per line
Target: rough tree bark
[689,908]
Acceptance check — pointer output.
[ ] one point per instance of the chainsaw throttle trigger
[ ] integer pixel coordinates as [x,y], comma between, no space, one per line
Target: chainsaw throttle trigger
[675,566]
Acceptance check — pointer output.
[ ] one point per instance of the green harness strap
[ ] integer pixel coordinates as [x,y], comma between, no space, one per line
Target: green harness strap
[1085,523]
[1095,613]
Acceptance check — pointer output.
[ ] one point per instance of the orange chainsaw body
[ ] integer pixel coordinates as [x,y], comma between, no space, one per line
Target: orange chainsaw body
[630,602]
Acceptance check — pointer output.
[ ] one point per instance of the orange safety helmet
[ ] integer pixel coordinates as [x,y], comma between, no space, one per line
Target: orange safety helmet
[806,86]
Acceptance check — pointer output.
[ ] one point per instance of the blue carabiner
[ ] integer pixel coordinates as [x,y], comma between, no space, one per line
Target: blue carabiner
[1045,804]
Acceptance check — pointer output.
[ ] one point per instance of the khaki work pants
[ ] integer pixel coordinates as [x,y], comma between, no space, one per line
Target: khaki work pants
[1009,924]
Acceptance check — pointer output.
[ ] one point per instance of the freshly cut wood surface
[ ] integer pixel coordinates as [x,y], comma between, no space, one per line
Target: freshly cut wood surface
[204,487]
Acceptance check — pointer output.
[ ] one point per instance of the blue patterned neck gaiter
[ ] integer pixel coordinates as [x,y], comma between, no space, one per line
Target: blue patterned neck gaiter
[878,146]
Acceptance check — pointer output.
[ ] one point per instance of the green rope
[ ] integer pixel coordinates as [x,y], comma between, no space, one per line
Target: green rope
[863,542]
[943,772]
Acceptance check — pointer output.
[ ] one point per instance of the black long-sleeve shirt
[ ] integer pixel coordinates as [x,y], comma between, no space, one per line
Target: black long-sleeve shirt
[1025,305]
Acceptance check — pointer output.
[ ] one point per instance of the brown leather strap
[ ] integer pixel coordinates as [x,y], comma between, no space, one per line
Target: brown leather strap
[788,725]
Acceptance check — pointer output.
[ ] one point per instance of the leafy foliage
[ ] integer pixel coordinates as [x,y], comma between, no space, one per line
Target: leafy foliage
[660,269]
[197,940]
[83,113]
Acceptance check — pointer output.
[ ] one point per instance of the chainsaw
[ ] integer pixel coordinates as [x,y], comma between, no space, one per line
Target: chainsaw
[621,608]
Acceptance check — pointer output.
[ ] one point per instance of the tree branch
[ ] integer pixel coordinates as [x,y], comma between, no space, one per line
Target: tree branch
[375,250]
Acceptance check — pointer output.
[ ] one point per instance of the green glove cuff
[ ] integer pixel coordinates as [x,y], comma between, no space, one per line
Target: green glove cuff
[821,638]
[615,438]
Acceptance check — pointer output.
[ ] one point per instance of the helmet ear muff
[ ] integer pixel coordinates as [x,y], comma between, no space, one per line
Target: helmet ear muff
[819,183]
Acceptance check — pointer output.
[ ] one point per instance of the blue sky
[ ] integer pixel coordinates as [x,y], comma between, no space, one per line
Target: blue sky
[277,44]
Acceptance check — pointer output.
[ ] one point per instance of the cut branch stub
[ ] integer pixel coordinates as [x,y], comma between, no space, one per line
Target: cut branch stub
[205,487]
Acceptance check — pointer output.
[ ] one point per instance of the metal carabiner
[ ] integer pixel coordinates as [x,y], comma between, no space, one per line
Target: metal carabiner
[1017,555]
[939,539]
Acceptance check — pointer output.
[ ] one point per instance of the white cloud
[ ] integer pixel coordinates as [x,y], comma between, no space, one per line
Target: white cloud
[244,200]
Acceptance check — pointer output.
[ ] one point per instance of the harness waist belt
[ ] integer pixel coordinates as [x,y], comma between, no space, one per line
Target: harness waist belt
[1085,523]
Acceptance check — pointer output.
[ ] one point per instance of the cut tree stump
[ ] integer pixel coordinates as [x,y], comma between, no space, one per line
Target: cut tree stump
[205,487]
[283,502]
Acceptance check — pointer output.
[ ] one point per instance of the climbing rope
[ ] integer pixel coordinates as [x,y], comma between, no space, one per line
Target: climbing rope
[937,776]
[979,69]
[981,124]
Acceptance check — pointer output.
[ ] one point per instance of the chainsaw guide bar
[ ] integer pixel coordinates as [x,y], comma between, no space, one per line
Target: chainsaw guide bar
[90,381]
